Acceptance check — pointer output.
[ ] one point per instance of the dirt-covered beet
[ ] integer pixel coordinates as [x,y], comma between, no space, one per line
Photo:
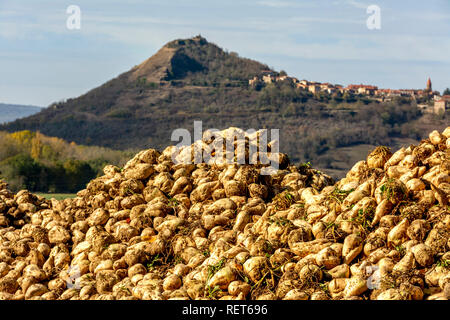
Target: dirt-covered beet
[157,230]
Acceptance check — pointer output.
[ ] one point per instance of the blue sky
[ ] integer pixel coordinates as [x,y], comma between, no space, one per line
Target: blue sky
[41,61]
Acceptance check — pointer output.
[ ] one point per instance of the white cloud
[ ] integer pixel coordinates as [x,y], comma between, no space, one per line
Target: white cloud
[276,4]
[279,38]
[353,3]
[358,4]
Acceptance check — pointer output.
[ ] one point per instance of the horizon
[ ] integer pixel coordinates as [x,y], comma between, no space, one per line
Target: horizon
[45,62]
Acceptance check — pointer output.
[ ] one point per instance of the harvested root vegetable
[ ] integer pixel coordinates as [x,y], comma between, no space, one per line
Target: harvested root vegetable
[157,230]
[378,157]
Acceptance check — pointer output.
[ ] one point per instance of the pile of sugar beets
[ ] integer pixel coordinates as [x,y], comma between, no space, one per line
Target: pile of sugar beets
[157,230]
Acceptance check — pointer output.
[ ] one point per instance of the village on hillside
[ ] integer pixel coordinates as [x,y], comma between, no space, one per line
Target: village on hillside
[439,104]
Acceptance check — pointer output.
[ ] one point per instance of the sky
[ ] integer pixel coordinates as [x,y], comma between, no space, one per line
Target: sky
[43,61]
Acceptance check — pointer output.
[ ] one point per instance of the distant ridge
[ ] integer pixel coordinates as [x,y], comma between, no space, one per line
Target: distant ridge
[11,112]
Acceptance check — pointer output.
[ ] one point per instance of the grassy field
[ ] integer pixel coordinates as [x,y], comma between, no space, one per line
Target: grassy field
[57,196]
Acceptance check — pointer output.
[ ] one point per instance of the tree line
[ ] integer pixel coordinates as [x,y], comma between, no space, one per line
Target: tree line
[33,161]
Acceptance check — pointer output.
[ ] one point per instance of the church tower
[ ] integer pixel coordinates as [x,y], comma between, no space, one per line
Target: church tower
[429,87]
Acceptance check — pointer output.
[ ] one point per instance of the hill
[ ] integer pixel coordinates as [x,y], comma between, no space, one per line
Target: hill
[193,79]
[11,112]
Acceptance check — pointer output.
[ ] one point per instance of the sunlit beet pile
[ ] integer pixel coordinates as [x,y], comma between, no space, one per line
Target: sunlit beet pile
[155,230]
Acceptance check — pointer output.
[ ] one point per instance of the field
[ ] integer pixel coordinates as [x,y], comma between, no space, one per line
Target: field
[57,196]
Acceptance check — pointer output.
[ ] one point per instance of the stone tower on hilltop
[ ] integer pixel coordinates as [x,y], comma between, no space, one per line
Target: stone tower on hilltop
[429,87]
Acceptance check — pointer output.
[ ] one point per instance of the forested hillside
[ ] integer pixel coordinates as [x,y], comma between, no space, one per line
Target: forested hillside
[33,161]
